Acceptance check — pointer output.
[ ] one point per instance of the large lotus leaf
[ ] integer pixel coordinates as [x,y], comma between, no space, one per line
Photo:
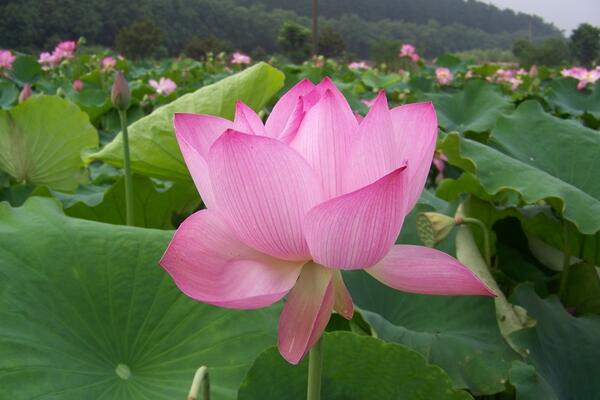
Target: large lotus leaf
[154,150]
[87,314]
[25,69]
[459,334]
[529,384]
[563,349]
[41,142]
[473,109]
[8,93]
[568,99]
[583,289]
[154,205]
[354,368]
[538,157]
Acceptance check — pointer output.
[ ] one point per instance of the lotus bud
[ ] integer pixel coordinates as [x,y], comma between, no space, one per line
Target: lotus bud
[26,93]
[120,94]
[433,227]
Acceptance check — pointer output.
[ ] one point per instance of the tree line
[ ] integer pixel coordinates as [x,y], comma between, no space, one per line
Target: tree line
[434,26]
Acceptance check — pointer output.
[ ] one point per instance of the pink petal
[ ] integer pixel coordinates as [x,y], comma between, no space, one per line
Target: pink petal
[356,230]
[425,270]
[291,127]
[306,312]
[373,154]
[342,299]
[209,264]
[264,188]
[247,121]
[415,128]
[284,108]
[324,139]
[195,134]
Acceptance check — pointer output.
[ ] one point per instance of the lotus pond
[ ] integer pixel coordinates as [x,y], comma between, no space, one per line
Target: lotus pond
[512,192]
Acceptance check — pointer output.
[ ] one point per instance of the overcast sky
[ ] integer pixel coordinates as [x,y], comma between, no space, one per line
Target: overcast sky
[565,14]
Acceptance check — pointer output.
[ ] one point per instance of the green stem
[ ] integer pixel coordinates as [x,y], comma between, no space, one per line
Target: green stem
[128,178]
[315,367]
[564,276]
[201,378]
[486,237]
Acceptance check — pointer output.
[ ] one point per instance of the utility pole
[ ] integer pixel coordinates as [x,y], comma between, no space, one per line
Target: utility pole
[315,32]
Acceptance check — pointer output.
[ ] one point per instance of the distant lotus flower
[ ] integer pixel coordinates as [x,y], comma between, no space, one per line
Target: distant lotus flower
[584,76]
[443,75]
[108,63]
[77,85]
[369,103]
[292,202]
[49,60]
[164,86]
[511,76]
[439,161]
[574,72]
[66,49]
[358,65]
[6,59]
[469,74]
[240,58]
[408,50]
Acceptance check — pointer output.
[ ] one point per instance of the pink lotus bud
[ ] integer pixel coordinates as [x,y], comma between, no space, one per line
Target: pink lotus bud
[26,93]
[77,85]
[120,94]
[6,59]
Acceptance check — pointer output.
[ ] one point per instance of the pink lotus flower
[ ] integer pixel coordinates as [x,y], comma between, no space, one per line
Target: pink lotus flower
[358,65]
[49,60]
[65,49]
[408,50]
[164,86]
[240,58]
[443,75]
[77,85]
[108,63]
[292,202]
[6,59]
[584,76]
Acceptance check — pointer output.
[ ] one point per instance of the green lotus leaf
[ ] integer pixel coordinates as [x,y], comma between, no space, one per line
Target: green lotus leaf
[531,154]
[88,314]
[473,109]
[41,142]
[354,368]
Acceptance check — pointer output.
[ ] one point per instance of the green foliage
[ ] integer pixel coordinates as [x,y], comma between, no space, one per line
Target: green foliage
[551,52]
[86,312]
[139,40]
[585,43]
[294,41]
[386,51]
[354,368]
[199,48]
[331,43]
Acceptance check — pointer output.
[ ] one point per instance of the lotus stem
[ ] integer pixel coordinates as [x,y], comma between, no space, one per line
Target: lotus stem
[200,379]
[315,368]
[564,276]
[129,212]
[486,236]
